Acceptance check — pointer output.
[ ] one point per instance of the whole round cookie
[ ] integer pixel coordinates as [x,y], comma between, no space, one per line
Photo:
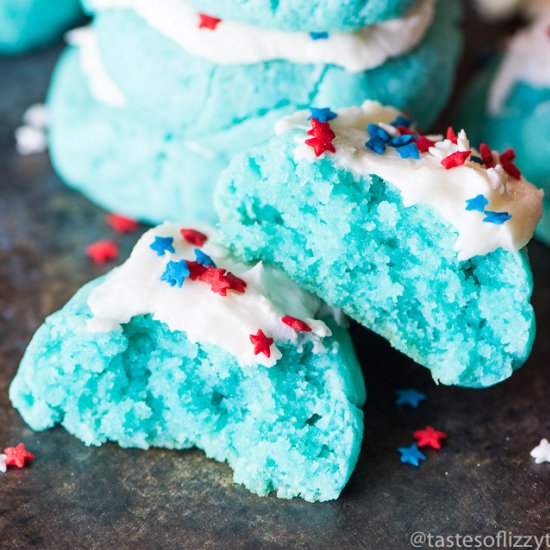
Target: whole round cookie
[508,105]
[184,347]
[419,238]
[28,24]
[198,95]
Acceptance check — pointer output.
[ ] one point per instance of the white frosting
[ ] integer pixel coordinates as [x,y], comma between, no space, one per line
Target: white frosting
[31,137]
[102,86]
[136,288]
[237,43]
[527,60]
[426,181]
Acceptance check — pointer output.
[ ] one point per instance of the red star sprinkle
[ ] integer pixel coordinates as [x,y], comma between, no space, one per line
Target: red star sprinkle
[322,136]
[121,224]
[194,237]
[404,131]
[456,159]
[221,281]
[428,437]
[196,270]
[261,343]
[487,156]
[18,456]
[507,160]
[102,252]
[451,135]
[208,22]
[424,144]
[296,324]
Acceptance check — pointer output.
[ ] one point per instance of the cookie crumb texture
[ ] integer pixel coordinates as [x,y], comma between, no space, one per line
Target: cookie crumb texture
[351,241]
[295,428]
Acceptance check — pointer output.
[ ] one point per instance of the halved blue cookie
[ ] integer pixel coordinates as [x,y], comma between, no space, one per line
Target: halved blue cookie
[418,238]
[183,347]
[28,24]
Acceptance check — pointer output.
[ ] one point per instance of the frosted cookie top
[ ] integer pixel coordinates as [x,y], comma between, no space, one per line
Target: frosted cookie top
[527,60]
[182,279]
[231,43]
[481,194]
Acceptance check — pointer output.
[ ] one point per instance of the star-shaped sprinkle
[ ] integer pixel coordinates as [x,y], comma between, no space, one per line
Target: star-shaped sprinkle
[423,144]
[323,114]
[194,237]
[221,281]
[204,259]
[196,270]
[322,136]
[379,138]
[402,120]
[411,397]
[208,22]
[411,455]
[261,343]
[498,218]
[296,324]
[451,135]
[454,160]
[476,159]
[477,203]
[410,150]
[121,224]
[428,437]
[541,453]
[175,273]
[319,35]
[161,245]
[18,456]
[102,251]
[487,156]
[507,160]
[3,466]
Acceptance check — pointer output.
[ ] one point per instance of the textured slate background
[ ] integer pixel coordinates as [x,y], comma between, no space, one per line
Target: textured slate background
[72,496]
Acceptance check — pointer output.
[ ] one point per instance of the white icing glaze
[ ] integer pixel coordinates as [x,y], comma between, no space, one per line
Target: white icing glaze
[527,60]
[426,181]
[135,288]
[236,43]
[102,86]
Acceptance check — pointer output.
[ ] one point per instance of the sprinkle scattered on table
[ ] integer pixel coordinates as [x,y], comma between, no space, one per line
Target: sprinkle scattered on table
[17,456]
[103,251]
[409,397]
[122,224]
[541,453]
[429,437]
[411,455]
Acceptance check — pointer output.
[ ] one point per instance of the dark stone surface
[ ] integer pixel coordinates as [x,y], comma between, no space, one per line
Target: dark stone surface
[483,480]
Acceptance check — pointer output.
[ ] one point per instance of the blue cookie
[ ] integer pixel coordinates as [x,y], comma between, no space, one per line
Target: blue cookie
[283,412]
[508,105]
[191,115]
[318,15]
[410,235]
[29,24]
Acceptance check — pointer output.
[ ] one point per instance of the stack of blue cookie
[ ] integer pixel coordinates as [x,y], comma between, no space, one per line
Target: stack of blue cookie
[153,100]
[29,24]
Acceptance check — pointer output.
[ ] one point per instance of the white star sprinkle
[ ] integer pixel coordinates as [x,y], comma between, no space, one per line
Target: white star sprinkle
[541,453]
[3,466]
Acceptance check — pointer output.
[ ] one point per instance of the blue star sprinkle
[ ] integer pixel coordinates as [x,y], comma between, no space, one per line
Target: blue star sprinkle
[204,259]
[378,132]
[176,273]
[376,144]
[409,151]
[411,455]
[412,398]
[322,115]
[161,245]
[498,218]
[476,159]
[477,203]
[402,121]
[319,35]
